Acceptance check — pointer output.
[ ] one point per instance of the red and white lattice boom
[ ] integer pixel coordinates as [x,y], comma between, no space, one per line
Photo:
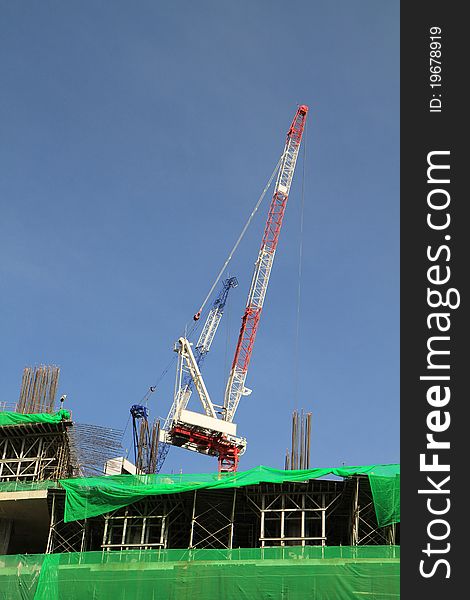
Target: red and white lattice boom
[207,433]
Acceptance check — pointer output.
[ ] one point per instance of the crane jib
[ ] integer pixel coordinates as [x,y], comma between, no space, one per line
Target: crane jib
[250,321]
[207,433]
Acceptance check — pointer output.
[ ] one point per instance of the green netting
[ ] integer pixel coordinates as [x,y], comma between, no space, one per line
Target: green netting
[311,572]
[93,496]
[386,495]
[14,418]
[27,486]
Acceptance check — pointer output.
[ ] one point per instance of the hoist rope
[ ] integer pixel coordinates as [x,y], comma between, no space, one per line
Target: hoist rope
[195,324]
[240,237]
[125,428]
[299,287]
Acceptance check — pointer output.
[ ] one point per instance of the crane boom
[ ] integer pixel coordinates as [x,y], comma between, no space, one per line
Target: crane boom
[213,319]
[208,433]
[235,388]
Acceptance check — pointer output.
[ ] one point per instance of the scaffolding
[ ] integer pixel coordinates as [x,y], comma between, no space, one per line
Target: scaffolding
[294,515]
[64,537]
[364,528]
[34,452]
[213,519]
[311,513]
[143,525]
[314,512]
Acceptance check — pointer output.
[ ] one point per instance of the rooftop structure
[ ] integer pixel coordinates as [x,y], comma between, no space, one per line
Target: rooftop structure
[253,509]
[126,534]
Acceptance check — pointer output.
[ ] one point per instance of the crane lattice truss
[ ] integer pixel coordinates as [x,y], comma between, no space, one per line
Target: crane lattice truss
[259,284]
[210,433]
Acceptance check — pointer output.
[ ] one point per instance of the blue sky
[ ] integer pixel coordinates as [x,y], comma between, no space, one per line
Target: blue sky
[136,138]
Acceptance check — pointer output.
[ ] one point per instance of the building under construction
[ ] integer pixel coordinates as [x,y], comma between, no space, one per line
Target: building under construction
[159,525]
[79,520]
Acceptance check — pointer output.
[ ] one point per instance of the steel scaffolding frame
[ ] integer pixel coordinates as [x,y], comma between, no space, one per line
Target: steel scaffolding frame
[143,525]
[213,519]
[33,457]
[315,512]
[294,515]
[64,537]
[364,527]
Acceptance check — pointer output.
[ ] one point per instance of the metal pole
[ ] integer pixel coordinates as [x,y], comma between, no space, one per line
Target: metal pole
[105,533]
[355,516]
[144,533]
[193,520]
[82,543]
[263,504]
[164,532]
[309,423]
[51,527]
[124,529]
[232,519]
[283,505]
[302,521]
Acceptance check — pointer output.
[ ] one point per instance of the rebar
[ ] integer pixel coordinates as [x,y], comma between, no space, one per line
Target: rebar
[38,389]
[299,456]
[92,445]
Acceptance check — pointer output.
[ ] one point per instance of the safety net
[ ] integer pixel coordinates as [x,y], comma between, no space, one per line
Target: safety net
[27,486]
[309,572]
[14,418]
[92,496]
[386,496]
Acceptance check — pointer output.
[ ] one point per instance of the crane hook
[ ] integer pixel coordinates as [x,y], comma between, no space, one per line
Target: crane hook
[196,316]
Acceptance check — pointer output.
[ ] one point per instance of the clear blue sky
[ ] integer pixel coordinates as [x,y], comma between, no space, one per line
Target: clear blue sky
[136,138]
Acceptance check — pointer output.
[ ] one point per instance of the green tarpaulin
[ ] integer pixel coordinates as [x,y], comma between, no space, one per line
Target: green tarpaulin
[295,573]
[93,496]
[14,418]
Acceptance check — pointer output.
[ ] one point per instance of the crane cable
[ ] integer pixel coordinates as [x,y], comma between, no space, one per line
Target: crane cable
[153,387]
[299,288]
[240,237]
